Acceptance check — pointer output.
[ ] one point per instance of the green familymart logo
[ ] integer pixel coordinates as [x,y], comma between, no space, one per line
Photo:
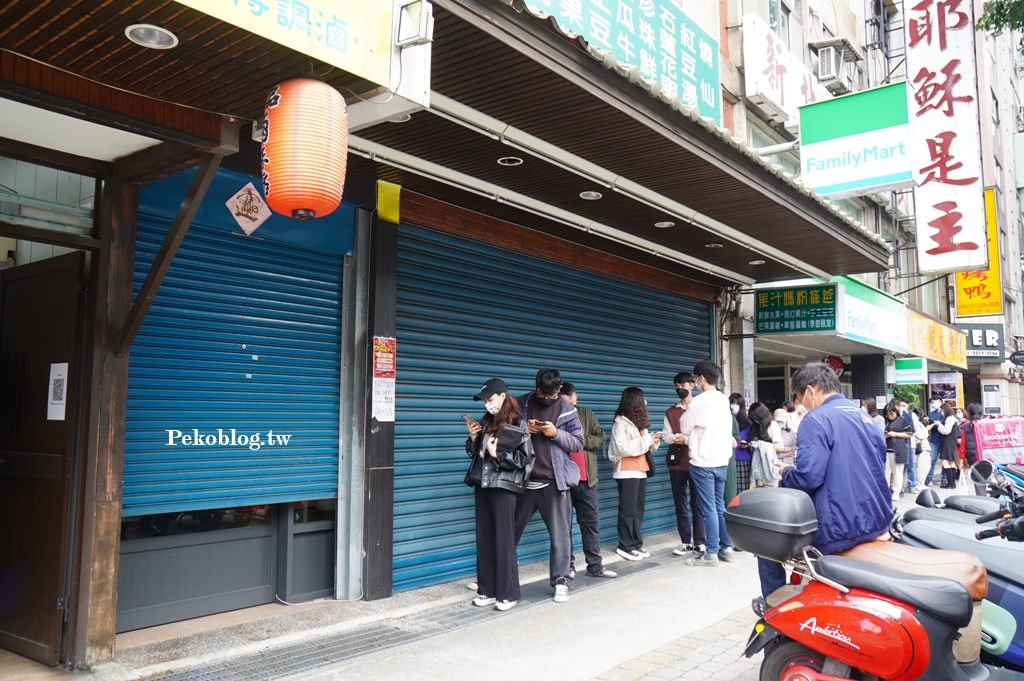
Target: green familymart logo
[228,438]
[856,144]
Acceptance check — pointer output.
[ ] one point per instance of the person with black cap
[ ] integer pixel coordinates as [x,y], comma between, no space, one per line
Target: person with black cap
[502,454]
[556,432]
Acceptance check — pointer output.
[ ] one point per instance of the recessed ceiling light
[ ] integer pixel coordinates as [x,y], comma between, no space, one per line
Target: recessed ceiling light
[151,36]
[713,244]
[664,223]
[590,196]
[510,161]
[756,262]
[399,118]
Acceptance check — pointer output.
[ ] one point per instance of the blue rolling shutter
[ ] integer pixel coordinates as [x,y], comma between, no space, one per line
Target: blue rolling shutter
[469,311]
[244,334]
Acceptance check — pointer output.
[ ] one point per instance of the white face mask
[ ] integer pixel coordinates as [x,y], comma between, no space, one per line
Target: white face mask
[804,403]
[494,406]
[735,408]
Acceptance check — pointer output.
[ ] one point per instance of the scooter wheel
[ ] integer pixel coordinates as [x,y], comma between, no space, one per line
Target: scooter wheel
[788,655]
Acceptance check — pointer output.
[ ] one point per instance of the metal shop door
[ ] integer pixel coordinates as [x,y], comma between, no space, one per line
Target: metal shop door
[40,319]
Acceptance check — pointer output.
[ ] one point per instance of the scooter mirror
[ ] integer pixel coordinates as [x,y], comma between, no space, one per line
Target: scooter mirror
[981,472]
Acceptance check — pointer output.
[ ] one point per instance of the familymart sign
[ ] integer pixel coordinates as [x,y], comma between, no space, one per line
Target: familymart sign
[856,144]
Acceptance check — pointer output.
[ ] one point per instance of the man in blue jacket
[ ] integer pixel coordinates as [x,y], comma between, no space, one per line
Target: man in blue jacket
[555,431]
[840,464]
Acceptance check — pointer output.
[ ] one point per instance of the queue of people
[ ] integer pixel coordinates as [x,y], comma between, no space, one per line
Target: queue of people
[538,453]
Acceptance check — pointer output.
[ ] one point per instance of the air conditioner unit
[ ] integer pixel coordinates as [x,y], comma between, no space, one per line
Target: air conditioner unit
[830,64]
[840,85]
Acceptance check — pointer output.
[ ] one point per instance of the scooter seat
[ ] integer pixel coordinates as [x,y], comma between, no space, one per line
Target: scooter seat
[1000,557]
[943,515]
[944,598]
[913,560]
[972,504]
[1015,469]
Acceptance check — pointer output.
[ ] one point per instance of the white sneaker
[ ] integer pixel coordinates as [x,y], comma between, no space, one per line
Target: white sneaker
[561,593]
[629,555]
[684,550]
[506,605]
[483,601]
[643,552]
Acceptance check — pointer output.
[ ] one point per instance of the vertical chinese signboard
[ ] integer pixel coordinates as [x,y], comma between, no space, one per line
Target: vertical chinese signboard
[981,292]
[667,46]
[945,135]
[802,308]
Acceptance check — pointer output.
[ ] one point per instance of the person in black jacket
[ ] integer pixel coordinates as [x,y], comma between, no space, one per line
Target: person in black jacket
[898,432]
[502,455]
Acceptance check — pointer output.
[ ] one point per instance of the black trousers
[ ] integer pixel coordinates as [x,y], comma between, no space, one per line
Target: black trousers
[555,510]
[497,567]
[632,498]
[681,483]
[584,500]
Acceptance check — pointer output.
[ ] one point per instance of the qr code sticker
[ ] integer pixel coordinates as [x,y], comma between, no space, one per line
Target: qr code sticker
[58,390]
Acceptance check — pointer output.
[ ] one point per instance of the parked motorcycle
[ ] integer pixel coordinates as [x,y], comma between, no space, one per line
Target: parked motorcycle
[851,618]
[1002,635]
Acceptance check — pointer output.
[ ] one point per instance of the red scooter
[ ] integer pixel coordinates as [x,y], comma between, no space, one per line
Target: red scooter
[850,618]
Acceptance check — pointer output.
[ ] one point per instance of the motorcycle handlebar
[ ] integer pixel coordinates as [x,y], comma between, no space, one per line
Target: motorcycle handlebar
[988,517]
[985,534]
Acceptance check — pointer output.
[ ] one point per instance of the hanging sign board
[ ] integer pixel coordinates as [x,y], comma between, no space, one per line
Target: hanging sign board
[1018,358]
[911,371]
[984,342]
[797,309]
[354,35]
[666,45]
[945,141]
[981,292]
[857,144]
[927,337]
[384,379]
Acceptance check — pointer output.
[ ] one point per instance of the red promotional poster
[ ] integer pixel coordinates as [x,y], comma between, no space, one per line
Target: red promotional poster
[1000,439]
[383,357]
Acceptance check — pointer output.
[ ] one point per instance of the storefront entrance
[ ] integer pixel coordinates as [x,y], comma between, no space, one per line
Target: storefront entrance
[41,317]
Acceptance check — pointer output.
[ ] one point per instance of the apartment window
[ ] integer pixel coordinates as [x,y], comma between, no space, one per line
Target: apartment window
[999,175]
[778,19]
[995,117]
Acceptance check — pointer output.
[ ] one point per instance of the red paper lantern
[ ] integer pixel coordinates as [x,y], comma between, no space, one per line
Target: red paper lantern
[305,148]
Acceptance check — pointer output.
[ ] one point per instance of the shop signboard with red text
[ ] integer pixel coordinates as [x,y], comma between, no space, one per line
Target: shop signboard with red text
[945,142]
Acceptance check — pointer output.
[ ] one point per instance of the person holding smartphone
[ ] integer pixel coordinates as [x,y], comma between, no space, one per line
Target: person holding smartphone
[630,451]
[502,461]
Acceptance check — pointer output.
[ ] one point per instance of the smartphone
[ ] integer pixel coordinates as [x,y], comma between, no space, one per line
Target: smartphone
[744,443]
[470,420]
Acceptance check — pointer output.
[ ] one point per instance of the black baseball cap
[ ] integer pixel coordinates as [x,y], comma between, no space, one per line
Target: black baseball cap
[491,387]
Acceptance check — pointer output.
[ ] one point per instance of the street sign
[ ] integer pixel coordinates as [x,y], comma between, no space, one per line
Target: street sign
[800,309]
[1018,358]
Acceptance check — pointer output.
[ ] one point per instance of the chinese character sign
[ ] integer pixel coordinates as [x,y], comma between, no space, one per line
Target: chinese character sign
[803,309]
[354,35]
[776,79]
[668,47]
[927,337]
[981,292]
[945,136]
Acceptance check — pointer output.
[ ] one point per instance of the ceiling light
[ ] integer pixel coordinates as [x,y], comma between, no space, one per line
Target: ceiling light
[510,161]
[664,224]
[713,244]
[590,196]
[756,262]
[399,118]
[151,36]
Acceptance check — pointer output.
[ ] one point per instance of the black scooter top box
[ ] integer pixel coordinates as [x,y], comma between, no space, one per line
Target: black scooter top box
[774,523]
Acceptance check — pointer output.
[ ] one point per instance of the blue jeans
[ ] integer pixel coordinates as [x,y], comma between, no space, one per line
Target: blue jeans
[911,469]
[935,447]
[772,574]
[710,484]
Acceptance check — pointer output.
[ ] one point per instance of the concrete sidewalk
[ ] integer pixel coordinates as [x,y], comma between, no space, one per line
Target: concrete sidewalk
[654,614]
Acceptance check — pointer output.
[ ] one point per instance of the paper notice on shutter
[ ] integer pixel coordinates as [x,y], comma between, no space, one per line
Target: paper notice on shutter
[57,395]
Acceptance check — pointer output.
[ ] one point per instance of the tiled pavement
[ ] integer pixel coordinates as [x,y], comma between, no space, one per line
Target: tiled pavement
[711,654]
